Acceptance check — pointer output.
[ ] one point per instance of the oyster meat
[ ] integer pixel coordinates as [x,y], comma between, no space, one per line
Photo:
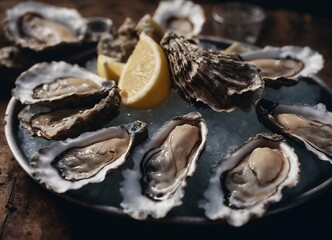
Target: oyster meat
[210,77]
[73,163]
[156,183]
[40,26]
[59,83]
[250,178]
[64,100]
[54,124]
[283,66]
[181,16]
[309,125]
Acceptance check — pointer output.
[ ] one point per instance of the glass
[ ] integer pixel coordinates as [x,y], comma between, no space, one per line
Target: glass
[238,21]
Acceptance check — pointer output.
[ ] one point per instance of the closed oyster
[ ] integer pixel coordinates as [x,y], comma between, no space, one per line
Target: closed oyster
[150,27]
[180,16]
[54,124]
[283,66]
[309,125]
[210,77]
[250,178]
[58,83]
[73,163]
[120,44]
[156,183]
[39,26]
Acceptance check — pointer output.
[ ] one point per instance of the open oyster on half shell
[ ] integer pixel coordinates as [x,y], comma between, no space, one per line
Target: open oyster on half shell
[161,167]
[57,84]
[309,125]
[181,16]
[73,163]
[39,26]
[53,124]
[283,66]
[221,81]
[64,100]
[250,178]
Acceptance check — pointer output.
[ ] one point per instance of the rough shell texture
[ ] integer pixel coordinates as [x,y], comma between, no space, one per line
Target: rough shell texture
[67,17]
[46,73]
[312,62]
[266,111]
[210,77]
[13,61]
[54,124]
[13,57]
[119,45]
[138,205]
[42,162]
[180,9]
[214,203]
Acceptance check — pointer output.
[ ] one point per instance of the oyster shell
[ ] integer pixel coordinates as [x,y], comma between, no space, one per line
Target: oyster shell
[150,27]
[13,57]
[161,166]
[210,77]
[284,65]
[40,26]
[59,83]
[181,16]
[309,125]
[73,163]
[13,61]
[54,124]
[119,45]
[250,178]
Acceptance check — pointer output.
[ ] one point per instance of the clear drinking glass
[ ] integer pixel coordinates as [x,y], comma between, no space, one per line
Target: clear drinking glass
[238,21]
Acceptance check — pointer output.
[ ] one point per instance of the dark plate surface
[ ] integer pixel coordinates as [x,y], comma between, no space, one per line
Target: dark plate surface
[226,131]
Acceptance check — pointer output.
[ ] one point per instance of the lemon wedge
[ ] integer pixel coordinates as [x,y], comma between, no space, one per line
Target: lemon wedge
[145,80]
[109,68]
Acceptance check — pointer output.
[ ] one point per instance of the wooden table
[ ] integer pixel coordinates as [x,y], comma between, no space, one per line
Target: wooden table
[27,211]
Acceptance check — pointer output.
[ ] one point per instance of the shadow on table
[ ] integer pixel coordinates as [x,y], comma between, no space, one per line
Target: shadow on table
[309,220]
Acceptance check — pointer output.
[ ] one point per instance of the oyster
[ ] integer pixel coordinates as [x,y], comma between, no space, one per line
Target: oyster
[309,125]
[250,178]
[150,27]
[284,65]
[156,182]
[181,16]
[13,57]
[54,124]
[210,77]
[13,61]
[39,26]
[64,100]
[58,83]
[73,163]
[120,45]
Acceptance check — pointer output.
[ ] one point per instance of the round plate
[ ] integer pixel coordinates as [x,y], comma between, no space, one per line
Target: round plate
[226,131]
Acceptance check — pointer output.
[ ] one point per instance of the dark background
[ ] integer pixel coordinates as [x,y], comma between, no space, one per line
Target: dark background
[319,8]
